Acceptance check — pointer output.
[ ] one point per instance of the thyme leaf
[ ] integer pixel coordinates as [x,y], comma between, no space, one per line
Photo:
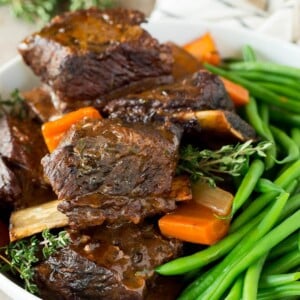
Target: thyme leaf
[14,106]
[21,256]
[209,165]
[44,10]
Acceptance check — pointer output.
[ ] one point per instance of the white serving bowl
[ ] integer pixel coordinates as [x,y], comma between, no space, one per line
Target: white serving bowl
[229,41]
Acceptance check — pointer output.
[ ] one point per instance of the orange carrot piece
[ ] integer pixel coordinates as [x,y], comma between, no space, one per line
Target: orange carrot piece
[239,95]
[192,222]
[53,131]
[204,49]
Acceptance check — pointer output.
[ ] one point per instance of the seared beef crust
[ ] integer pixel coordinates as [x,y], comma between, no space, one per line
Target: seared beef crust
[200,91]
[89,54]
[107,263]
[106,169]
[21,149]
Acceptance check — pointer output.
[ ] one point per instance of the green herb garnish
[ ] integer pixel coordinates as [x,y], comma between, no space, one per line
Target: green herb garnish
[209,165]
[15,106]
[44,10]
[21,256]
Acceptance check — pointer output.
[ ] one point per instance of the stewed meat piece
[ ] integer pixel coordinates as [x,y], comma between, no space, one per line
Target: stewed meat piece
[10,189]
[21,150]
[198,103]
[108,262]
[95,54]
[110,170]
[22,143]
[184,63]
[39,101]
[199,91]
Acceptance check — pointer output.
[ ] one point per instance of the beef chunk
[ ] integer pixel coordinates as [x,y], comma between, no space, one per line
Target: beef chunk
[90,54]
[107,263]
[39,100]
[198,103]
[22,144]
[200,91]
[108,169]
[184,63]
[21,150]
[10,189]
[113,158]
[94,209]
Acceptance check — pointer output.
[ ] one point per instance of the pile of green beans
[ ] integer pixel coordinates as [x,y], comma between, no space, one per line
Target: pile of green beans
[260,256]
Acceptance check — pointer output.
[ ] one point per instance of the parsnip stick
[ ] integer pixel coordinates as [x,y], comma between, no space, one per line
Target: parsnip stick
[35,219]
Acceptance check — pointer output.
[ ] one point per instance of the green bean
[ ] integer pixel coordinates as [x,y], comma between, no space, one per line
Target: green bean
[292,205]
[246,246]
[247,185]
[258,91]
[248,53]
[280,292]
[285,117]
[264,111]
[275,280]
[267,67]
[204,282]
[265,186]
[284,264]
[289,175]
[292,187]
[281,90]
[271,153]
[259,240]
[204,257]
[252,278]
[254,119]
[287,144]
[262,129]
[295,134]
[288,245]
[258,231]
[256,206]
[263,246]
[191,275]
[264,77]
[236,290]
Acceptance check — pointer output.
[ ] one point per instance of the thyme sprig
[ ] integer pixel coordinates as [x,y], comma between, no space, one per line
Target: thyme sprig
[14,106]
[44,10]
[21,256]
[209,165]
[82,4]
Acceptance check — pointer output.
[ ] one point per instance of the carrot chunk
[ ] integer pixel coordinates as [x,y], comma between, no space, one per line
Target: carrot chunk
[239,95]
[53,131]
[204,49]
[195,223]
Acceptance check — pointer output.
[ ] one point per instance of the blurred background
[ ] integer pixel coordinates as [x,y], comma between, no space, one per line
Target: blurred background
[19,18]
[279,18]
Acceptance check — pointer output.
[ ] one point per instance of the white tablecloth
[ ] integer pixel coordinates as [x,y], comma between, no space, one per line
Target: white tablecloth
[279,18]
